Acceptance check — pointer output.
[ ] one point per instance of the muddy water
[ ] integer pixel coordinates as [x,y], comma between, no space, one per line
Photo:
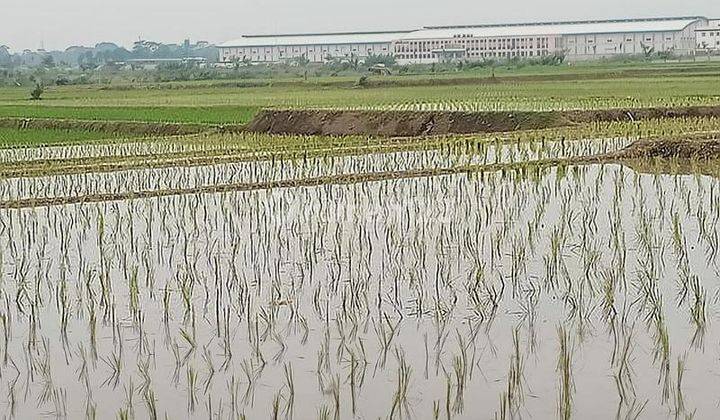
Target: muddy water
[393,299]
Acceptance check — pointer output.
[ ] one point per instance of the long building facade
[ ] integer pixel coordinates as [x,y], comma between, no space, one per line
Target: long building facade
[316,48]
[579,40]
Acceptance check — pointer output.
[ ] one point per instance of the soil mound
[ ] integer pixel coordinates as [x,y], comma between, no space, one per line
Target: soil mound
[693,148]
[398,123]
[429,123]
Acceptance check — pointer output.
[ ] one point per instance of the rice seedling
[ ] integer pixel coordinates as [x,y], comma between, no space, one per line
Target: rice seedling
[564,368]
[248,275]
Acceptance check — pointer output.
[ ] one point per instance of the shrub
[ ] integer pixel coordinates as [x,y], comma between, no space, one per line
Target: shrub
[37,92]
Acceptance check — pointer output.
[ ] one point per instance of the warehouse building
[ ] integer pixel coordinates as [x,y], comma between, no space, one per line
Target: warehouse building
[708,37]
[316,48]
[580,40]
[576,40]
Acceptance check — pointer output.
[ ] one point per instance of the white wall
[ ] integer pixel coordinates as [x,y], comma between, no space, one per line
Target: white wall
[315,53]
[420,51]
[707,38]
[587,47]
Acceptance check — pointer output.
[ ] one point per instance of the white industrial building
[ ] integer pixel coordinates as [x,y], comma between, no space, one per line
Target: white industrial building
[577,40]
[316,48]
[580,40]
[708,37]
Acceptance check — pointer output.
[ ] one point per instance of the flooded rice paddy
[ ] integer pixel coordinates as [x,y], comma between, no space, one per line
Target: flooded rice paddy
[570,291]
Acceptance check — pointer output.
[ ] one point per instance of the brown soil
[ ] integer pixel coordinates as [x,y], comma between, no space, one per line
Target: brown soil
[413,124]
[703,147]
[398,123]
[674,167]
[374,123]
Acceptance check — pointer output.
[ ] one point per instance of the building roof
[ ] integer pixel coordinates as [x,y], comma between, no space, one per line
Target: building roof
[713,25]
[494,30]
[337,38]
[557,28]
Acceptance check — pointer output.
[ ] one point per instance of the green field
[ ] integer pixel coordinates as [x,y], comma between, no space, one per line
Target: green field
[160,114]
[30,137]
[585,87]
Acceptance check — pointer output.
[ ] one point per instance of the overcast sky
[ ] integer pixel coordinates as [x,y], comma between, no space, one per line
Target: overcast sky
[57,24]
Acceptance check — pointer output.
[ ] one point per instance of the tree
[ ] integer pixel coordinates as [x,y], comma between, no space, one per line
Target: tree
[705,47]
[48,61]
[300,61]
[5,57]
[37,92]
[648,50]
[554,59]
[87,61]
[666,55]
[387,60]
[354,61]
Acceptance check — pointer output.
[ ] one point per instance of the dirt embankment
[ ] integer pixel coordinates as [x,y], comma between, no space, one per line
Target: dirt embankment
[429,123]
[110,127]
[396,123]
[675,156]
[703,147]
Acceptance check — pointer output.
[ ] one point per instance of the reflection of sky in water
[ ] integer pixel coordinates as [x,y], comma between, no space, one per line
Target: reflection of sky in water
[341,282]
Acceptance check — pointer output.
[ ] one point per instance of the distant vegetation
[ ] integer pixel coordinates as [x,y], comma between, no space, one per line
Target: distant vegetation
[82,65]
[109,64]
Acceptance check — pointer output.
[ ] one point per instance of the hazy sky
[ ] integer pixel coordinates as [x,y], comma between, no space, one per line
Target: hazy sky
[56,24]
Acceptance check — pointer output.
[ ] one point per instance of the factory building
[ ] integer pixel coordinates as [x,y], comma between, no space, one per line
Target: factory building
[708,37]
[576,40]
[316,48]
[580,40]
